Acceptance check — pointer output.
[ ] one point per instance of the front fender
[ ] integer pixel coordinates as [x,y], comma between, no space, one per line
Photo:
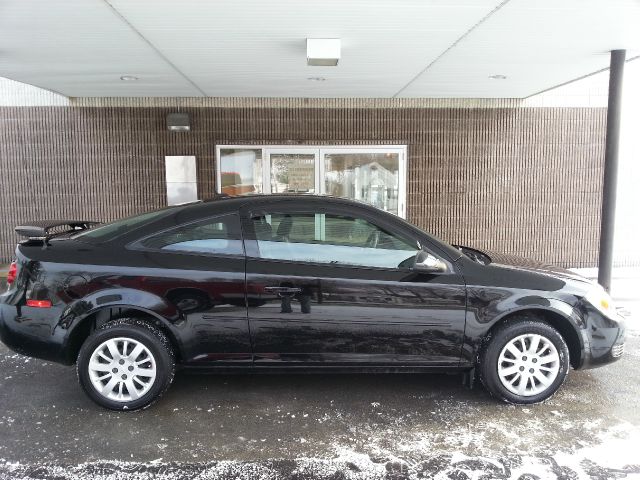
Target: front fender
[486,308]
[552,305]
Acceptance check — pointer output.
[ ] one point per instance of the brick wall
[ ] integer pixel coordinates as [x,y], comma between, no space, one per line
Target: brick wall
[520,180]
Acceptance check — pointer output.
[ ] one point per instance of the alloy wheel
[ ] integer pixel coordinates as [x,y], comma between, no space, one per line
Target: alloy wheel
[122,369]
[528,365]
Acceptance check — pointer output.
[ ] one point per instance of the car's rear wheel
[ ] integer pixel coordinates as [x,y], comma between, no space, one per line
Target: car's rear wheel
[525,361]
[126,364]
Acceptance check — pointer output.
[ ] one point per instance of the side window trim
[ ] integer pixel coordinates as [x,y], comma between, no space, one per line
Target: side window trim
[329,265]
[137,244]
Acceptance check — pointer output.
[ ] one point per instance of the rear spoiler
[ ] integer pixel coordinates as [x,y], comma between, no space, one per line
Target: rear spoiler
[46,229]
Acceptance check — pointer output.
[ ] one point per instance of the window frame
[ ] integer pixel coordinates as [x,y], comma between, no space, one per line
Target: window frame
[320,150]
[137,244]
[252,250]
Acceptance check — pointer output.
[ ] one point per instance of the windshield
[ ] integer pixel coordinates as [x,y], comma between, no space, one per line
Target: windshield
[112,230]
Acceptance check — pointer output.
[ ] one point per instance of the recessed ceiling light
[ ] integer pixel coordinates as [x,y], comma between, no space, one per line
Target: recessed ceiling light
[498,77]
[128,78]
[317,79]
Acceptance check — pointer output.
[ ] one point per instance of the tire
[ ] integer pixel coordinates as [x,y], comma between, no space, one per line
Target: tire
[102,364]
[503,373]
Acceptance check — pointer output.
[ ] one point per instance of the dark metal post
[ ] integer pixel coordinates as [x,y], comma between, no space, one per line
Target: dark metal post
[607,219]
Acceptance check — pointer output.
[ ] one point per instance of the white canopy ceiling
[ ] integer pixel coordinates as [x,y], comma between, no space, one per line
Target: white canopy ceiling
[256,48]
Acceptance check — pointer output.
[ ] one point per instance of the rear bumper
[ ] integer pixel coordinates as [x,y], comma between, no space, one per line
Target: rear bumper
[32,332]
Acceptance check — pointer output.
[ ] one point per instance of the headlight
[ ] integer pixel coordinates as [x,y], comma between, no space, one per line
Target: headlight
[601,300]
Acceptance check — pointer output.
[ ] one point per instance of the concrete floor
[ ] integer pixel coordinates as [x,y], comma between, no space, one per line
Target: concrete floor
[321,427]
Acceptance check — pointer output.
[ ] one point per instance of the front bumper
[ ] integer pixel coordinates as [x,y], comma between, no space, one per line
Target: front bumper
[603,338]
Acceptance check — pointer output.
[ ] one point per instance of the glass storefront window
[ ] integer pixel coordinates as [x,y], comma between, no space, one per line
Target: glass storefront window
[293,172]
[368,177]
[374,174]
[240,171]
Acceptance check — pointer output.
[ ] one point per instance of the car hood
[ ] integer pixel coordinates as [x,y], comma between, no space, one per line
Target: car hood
[497,259]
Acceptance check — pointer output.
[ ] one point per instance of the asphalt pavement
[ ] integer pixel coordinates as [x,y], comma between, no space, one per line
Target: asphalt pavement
[322,426]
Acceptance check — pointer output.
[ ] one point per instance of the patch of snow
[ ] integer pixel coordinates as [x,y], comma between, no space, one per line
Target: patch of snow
[612,456]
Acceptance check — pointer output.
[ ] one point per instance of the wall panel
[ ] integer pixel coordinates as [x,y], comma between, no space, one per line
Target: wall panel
[525,181]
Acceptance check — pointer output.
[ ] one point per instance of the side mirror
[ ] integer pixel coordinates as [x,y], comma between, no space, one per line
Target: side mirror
[425,262]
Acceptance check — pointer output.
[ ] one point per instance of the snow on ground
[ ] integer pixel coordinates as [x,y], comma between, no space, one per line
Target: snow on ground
[610,456]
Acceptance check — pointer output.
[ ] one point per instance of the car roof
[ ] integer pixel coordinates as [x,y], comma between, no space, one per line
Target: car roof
[251,196]
[238,201]
[223,205]
[228,204]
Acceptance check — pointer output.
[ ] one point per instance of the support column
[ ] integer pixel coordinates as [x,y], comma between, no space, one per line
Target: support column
[607,219]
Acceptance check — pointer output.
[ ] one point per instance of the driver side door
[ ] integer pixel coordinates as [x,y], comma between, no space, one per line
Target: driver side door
[328,286]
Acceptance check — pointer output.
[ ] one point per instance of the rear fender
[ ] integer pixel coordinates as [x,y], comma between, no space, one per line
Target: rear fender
[75,315]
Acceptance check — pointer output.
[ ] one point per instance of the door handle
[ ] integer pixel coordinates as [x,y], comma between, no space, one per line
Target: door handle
[283,290]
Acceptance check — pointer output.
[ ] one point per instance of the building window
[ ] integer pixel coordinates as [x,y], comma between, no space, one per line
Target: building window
[239,170]
[375,174]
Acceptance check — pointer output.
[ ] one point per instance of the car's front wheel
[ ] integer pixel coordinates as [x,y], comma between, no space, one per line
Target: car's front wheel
[126,364]
[525,361]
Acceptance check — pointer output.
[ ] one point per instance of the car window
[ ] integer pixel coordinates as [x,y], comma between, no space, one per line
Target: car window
[111,230]
[332,239]
[219,235]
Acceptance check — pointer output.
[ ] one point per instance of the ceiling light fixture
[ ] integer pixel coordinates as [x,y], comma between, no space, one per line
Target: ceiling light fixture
[317,79]
[498,77]
[128,78]
[323,52]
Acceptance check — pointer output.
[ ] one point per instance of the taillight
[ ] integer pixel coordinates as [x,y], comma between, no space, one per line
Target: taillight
[39,303]
[12,273]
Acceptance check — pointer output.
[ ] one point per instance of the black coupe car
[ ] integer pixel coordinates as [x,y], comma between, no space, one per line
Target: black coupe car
[290,282]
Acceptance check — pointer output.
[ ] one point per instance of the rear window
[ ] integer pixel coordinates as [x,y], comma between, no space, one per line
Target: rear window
[218,235]
[109,231]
